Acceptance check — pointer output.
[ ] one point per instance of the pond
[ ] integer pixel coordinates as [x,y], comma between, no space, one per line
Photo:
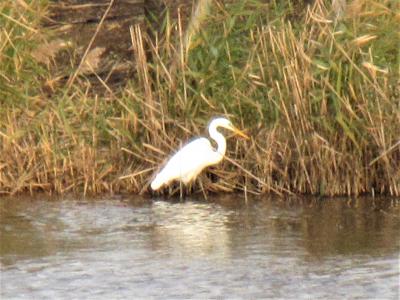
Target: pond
[226,247]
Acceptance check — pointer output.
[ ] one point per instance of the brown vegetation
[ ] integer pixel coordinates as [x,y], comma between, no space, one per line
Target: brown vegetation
[320,101]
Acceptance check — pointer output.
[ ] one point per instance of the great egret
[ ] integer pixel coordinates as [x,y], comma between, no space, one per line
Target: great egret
[188,162]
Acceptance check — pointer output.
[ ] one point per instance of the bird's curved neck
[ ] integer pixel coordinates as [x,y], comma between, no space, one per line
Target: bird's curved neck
[220,140]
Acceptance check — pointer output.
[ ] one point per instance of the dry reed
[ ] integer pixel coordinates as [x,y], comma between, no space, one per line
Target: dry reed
[319,97]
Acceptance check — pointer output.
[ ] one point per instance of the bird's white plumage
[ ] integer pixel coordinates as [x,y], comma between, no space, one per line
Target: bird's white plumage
[187,163]
[190,160]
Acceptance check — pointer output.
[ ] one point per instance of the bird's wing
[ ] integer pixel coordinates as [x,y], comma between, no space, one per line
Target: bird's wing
[195,151]
[188,161]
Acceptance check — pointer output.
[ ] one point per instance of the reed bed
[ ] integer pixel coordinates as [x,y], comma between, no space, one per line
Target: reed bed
[317,90]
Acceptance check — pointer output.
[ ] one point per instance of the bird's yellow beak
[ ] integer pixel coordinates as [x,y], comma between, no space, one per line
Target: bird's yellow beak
[240,133]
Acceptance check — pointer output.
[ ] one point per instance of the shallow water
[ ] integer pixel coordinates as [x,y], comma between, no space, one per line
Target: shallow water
[224,248]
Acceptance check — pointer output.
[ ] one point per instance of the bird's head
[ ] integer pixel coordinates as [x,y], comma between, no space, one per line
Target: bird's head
[225,123]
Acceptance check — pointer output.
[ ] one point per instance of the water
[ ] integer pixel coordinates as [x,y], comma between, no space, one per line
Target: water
[225,248]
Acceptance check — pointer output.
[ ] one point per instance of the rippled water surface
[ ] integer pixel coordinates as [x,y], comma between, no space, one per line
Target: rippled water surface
[224,248]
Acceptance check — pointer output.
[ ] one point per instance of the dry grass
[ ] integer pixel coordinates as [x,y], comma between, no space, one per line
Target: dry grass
[319,97]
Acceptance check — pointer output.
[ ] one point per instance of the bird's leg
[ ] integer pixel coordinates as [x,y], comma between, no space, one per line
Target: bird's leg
[180,190]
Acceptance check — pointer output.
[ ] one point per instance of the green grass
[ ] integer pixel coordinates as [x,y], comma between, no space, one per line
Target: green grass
[319,96]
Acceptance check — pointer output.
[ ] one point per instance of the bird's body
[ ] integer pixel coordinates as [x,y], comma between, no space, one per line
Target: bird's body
[190,160]
[183,165]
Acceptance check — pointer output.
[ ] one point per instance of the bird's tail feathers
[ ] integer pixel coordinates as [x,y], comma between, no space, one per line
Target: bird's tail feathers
[157,182]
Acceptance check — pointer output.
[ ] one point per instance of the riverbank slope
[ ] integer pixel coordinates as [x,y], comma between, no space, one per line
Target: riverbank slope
[316,88]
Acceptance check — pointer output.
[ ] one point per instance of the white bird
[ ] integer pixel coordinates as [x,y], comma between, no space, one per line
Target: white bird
[189,161]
